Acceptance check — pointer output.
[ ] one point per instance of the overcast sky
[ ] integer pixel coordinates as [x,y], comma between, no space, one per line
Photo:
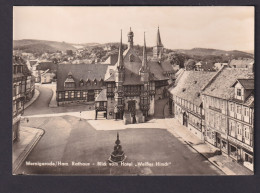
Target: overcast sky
[226,28]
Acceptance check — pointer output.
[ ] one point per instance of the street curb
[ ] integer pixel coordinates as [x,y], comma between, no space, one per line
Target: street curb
[26,152]
[37,92]
[213,163]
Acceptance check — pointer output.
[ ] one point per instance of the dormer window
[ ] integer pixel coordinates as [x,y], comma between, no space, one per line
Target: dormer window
[69,82]
[131,58]
[81,83]
[238,92]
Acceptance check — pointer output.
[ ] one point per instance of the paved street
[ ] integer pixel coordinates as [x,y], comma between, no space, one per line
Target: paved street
[41,105]
[67,140]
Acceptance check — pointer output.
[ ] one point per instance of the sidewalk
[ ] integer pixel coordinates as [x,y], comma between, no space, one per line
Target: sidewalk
[53,102]
[35,96]
[223,162]
[27,140]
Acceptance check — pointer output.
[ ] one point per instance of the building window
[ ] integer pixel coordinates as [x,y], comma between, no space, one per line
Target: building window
[110,88]
[72,94]
[238,92]
[66,94]
[239,129]
[84,94]
[69,85]
[247,133]
[59,95]
[131,58]
[231,107]
[81,83]
[152,86]
[238,109]
[14,90]
[144,101]
[101,104]
[120,101]
[246,113]
[78,94]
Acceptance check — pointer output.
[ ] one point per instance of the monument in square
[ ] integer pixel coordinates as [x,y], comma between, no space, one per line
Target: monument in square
[118,154]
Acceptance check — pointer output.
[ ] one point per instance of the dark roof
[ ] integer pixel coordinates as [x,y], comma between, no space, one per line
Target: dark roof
[221,85]
[166,66]
[32,62]
[132,68]
[113,59]
[84,72]
[190,84]
[246,83]
[158,39]
[102,96]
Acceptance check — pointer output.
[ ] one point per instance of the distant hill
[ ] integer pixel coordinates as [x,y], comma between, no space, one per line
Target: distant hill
[214,52]
[32,46]
[41,46]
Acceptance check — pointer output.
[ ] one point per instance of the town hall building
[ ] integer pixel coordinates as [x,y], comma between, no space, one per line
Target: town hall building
[133,84]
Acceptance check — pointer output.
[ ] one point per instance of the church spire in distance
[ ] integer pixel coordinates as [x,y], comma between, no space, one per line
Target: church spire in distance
[120,54]
[159,41]
[144,62]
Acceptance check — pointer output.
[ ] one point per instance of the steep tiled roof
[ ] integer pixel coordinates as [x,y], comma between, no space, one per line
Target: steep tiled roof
[81,71]
[132,68]
[157,70]
[221,85]
[247,83]
[190,84]
[102,96]
[111,60]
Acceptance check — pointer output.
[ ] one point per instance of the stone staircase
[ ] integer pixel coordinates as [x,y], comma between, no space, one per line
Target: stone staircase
[129,119]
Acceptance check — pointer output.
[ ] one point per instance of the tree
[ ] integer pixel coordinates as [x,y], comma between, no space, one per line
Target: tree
[69,52]
[190,64]
[177,58]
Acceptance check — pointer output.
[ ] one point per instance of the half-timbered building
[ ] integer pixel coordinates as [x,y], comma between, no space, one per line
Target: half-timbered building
[133,84]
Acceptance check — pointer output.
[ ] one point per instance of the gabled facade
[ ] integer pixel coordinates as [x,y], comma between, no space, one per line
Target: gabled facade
[133,85]
[21,92]
[79,83]
[185,100]
[228,100]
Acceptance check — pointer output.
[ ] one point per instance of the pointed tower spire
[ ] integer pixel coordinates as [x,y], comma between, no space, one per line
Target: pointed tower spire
[120,54]
[144,62]
[159,41]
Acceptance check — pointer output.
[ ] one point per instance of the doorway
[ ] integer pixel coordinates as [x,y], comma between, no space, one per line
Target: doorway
[132,109]
[185,119]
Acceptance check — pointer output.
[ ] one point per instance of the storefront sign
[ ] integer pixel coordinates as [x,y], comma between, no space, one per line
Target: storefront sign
[235,141]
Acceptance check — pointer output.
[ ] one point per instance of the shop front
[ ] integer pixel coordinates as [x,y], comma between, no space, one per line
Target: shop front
[241,152]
